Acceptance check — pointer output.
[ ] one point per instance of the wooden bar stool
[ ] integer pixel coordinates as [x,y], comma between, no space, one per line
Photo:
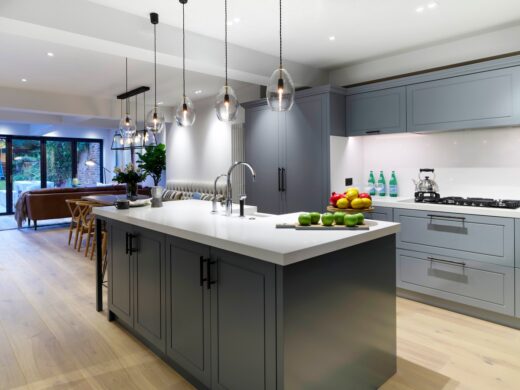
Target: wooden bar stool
[87,219]
[75,218]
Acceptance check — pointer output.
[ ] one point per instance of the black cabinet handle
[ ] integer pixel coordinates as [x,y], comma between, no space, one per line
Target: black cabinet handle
[131,248]
[279,179]
[208,272]
[459,263]
[373,132]
[202,278]
[284,177]
[446,217]
[126,243]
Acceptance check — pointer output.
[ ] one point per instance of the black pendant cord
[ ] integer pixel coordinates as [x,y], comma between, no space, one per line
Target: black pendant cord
[126,83]
[226,39]
[155,64]
[183,58]
[281,34]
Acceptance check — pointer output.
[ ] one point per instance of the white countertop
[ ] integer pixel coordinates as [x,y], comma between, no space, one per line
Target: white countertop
[408,203]
[258,238]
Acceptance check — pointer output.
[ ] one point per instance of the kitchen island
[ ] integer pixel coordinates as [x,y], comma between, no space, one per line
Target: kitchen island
[234,303]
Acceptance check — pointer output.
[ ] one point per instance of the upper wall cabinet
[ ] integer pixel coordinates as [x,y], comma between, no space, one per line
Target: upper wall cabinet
[486,99]
[378,112]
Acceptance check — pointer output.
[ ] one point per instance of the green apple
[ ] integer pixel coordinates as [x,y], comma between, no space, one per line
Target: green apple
[304,219]
[327,219]
[339,218]
[315,218]
[351,220]
[360,218]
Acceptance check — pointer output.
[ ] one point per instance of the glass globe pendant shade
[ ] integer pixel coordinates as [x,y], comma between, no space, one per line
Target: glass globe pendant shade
[185,113]
[155,121]
[280,91]
[227,104]
[127,127]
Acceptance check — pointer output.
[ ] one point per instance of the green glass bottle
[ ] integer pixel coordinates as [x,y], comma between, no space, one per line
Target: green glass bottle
[371,184]
[392,186]
[381,184]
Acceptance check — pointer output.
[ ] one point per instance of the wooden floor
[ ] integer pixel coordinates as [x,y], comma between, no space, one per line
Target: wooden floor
[52,337]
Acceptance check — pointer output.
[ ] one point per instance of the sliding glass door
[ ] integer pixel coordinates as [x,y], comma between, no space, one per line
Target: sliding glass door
[26,166]
[3,175]
[30,163]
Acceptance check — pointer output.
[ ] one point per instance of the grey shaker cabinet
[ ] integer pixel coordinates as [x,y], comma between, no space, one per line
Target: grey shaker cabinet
[243,322]
[381,214]
[291,150]
[480,100]
[517,293]
[120,297]
[377,112]
[137,281]
[188,307]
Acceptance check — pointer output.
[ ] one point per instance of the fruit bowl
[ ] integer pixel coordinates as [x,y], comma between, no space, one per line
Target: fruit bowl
[332,209]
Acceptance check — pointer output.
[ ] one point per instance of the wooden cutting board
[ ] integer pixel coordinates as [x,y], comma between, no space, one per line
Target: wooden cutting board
[321,227]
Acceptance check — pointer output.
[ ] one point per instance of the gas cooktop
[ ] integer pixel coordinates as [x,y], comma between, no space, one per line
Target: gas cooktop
[474,202]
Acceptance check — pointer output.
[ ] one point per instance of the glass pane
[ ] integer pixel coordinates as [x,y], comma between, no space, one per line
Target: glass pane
[59,163]
[26,166]
[3,182]
[89,161]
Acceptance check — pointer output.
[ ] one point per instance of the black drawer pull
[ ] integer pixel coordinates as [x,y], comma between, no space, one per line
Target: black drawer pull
[279,179]
[130,247]
[284,179]
[209,282]
[202,278]
[126,244]
[451,262]
[446,217]
[373,132]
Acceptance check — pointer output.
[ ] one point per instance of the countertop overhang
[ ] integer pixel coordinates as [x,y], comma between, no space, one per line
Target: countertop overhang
[257,238]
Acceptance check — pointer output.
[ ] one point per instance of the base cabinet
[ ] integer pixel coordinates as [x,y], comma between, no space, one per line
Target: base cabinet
[517,294]
[381,214]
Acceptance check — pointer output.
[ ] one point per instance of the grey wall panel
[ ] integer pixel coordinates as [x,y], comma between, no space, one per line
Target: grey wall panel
[377,112]
[484,99]
[486,286]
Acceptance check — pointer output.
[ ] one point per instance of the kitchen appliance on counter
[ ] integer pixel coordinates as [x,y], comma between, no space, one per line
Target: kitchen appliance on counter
[426,189]
[475,202]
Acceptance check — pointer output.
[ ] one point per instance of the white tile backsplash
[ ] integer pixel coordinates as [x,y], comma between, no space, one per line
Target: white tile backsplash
[483,163]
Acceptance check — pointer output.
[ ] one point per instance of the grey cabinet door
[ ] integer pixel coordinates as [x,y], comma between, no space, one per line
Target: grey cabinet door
[262,152]
[149,286]
[120,297]
[188,308]
[306,175]
[377,112]
[243,328]
[517,288]
[484,99]
[381,214]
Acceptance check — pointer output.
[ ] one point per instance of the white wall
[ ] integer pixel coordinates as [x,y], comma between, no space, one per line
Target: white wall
[466,49]
[203,151]
[480,163]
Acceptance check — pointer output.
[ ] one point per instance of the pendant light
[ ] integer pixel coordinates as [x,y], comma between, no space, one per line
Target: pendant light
[155,119]
[280,90]
[227,104]
[127,126]
[185,114]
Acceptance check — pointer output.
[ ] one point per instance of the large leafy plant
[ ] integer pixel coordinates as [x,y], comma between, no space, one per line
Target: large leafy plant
[153,161]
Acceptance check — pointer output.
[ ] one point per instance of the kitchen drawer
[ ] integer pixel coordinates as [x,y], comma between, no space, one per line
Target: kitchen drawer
[381,214]
[486,286]
[517,289]
[470,237]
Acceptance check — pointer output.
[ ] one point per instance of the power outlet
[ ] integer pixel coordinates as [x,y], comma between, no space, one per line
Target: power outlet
[348,181]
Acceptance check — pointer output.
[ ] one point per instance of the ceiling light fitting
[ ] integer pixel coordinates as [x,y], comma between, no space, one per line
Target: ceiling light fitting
[155,119]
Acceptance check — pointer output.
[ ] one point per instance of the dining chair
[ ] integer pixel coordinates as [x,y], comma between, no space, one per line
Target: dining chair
[75,218]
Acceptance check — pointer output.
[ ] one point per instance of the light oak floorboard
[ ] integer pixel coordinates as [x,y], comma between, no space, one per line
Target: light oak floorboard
[51,337]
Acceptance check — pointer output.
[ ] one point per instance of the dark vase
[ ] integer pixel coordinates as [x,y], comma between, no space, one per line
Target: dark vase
[131,191]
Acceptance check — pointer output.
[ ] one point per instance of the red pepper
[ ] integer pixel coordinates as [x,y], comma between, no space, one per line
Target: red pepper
[334,198]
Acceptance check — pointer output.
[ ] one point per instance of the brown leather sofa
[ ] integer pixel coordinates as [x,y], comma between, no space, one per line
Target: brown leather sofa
[49,203]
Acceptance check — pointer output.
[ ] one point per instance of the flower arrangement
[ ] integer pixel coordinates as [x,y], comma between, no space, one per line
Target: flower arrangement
[131,176]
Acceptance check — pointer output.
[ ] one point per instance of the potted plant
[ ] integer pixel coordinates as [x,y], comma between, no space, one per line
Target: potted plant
[153,162]
[131,176]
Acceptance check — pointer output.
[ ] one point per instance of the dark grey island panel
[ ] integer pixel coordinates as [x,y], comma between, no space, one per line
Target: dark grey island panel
[231,322]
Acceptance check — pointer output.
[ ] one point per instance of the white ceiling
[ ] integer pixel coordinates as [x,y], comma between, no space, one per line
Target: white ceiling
[363,28]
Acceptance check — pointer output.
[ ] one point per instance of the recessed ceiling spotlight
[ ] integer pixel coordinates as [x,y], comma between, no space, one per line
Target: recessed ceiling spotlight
[159,103]
[332,38]
[50,54]
[432,5]
[236,20]
[24,80]
[420,10]
[198,91]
